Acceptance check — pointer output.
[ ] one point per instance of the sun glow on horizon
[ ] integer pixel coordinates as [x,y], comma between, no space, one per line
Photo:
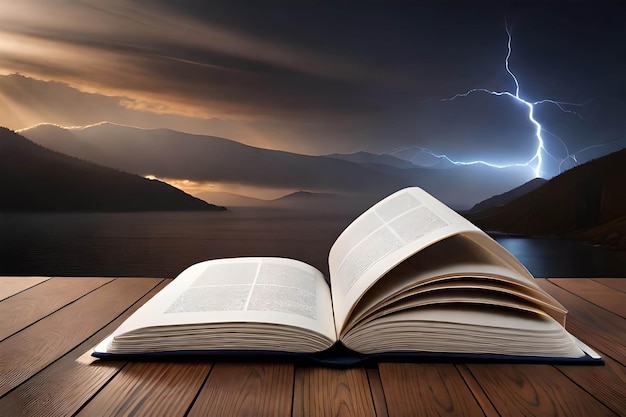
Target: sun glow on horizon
[203,189]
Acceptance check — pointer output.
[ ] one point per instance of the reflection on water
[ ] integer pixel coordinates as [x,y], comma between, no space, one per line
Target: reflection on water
[565,258]
[163,244]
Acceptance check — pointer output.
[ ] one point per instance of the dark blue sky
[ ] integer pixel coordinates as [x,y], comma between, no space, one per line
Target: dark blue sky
[324,77]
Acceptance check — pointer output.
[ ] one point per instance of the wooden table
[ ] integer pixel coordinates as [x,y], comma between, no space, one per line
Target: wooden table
[47,323]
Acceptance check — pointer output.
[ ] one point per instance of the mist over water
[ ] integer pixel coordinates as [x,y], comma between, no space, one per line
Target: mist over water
[163,244]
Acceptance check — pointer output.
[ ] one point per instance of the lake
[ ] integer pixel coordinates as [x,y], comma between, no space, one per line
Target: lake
[162,244]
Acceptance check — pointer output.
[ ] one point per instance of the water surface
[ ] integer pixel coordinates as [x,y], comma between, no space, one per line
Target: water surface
[163,244]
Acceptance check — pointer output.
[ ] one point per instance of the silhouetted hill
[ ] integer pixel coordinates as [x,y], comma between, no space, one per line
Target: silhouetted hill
[325,202]
[230,199]
[587,201]
[33,178]
[502,199]
[303,202]
[306,195]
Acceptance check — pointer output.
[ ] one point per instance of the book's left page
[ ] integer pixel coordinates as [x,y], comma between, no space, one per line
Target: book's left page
[233,304]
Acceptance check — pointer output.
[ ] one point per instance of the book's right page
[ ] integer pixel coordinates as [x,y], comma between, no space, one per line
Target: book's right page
[381,238]
[452,270]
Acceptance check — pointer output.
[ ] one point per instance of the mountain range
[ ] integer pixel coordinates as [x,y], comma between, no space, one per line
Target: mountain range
[170,154]
[36,179]
[588,201]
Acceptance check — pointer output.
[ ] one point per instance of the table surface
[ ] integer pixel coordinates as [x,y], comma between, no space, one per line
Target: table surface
[47,323]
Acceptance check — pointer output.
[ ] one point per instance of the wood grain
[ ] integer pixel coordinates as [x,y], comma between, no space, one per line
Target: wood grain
[616,283]
[31,305]
[606,383]
[423,389]
[29,351]
[62,388]
[597,327]
[535,390]
[12,285]
[596,293]
[332,392]
[149,389]
[232,389]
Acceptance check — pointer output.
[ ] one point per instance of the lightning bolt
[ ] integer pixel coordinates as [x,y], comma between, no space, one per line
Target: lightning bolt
[537,159]
[444,157]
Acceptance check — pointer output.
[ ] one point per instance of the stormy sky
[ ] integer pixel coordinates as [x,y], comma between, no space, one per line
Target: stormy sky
[319,77]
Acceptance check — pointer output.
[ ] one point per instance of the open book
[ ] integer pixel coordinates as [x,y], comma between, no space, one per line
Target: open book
[409,278]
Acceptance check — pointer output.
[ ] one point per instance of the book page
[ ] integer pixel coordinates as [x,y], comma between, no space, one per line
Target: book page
[457,295]
[465,329]
[456,257]
[381,238]
[245,290]
[448,292]
[406,288]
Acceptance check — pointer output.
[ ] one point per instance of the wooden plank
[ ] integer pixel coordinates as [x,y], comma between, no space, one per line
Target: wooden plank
[12,285]
[477,391]
[298,393]
[246,389]
[31,305]
[599,328]
[149,389]
[606,383]
[332,392]
[425,389]
[60,393]
[535,390]
[378,395]
[62,388]
[29,351]
[596,293]
[616,283]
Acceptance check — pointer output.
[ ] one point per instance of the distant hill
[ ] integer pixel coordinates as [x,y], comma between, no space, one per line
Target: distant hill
[303,202]
[230,199]
[587,201]
[306,196]
[36,179]
[370,158]
[502,199]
